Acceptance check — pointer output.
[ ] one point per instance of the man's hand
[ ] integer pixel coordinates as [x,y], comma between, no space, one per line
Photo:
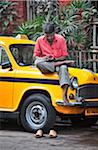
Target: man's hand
[49,58]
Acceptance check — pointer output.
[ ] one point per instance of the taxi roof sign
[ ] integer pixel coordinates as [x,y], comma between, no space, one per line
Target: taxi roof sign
[21,36]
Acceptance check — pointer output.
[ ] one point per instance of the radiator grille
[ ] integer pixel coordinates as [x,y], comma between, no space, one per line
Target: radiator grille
[88,91]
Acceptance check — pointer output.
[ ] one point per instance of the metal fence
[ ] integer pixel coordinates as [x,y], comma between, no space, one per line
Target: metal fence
[38,7]
[85,59]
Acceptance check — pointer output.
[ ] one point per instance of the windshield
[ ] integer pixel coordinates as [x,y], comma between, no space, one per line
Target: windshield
[22,53]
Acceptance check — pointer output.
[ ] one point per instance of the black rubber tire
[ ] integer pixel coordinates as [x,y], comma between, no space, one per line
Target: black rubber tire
[83,122]
[37,112]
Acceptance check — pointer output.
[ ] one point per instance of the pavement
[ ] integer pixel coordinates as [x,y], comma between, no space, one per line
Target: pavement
[13,137]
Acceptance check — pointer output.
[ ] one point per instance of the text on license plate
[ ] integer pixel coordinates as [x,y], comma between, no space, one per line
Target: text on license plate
[91,111]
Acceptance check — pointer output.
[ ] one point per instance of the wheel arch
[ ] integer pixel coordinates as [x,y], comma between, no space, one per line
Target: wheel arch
[34,91]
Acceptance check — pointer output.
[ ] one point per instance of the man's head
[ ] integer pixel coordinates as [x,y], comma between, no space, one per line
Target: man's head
[49,31]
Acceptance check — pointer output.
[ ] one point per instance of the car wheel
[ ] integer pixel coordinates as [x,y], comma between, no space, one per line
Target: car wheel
[37,112]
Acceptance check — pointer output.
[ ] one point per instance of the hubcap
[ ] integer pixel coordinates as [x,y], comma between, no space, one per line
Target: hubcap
[36,115]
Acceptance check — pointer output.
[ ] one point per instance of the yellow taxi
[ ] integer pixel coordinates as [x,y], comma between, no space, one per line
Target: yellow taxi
[33,95]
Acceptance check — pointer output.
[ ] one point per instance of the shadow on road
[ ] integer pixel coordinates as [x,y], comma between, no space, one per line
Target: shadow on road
[61,128]
[10,124]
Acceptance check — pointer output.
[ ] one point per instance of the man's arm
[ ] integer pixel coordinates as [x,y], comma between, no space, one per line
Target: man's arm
[37,50]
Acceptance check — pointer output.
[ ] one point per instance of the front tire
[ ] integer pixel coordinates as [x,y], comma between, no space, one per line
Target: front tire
[37,112]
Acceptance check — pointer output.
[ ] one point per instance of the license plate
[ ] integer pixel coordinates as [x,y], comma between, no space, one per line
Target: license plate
[91,112]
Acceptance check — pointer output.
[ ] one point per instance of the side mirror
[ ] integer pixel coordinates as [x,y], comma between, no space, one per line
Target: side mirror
[6,65]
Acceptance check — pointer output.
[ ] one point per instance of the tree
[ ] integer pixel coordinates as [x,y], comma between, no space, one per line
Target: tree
[7,17]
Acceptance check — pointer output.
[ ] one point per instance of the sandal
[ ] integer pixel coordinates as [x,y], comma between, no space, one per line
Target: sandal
[52,134]
[39,134]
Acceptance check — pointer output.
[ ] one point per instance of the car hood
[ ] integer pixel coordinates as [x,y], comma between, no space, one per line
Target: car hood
[84,76]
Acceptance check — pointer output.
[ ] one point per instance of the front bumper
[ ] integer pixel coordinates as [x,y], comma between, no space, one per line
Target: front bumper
[90,104]
[87,104]
[90,108]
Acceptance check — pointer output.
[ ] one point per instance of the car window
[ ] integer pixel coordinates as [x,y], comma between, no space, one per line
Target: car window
[22,53]
[3,56]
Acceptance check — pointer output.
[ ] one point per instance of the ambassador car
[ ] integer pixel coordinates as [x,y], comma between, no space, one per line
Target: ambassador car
[24,90]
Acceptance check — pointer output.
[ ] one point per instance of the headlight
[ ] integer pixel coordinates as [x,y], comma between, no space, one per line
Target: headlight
[74,83]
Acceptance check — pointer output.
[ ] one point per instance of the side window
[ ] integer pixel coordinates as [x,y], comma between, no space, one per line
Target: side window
[3,57]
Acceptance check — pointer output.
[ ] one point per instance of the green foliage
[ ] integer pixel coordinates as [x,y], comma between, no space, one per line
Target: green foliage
[73,22]
[76,23]
[33,29]
[78,5]
[7,16]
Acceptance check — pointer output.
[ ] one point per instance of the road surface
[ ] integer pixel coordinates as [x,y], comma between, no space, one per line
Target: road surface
[13,137]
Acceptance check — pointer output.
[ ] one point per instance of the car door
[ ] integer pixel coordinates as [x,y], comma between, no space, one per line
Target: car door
[6,82]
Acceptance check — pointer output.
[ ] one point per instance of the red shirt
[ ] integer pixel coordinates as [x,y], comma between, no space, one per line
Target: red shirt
[56,50]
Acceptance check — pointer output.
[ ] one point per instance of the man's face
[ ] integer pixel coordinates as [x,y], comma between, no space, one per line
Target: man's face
[49,37]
